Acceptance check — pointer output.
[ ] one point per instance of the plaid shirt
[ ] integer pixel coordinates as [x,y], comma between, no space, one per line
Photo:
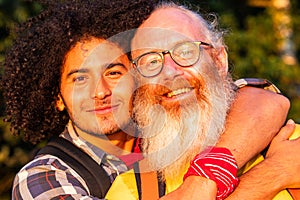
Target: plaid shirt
[48,177]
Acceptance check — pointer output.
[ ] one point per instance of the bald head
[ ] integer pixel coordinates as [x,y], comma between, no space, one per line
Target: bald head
[168,20]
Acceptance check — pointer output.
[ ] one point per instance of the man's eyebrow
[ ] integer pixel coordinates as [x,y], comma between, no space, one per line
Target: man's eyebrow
[111,65]
[74,71]
[107,66]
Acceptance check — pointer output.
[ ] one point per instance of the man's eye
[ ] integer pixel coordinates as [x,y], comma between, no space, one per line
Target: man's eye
[153,61]
[79,79]
[150,61]
[186,53]
[153,64]
[114,74]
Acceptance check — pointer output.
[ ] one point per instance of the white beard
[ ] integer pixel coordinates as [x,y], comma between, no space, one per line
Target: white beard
[171,136]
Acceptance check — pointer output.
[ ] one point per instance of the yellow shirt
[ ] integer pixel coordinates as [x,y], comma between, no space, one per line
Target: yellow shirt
[124,187]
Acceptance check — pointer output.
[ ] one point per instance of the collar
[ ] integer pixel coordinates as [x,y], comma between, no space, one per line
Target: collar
[94,152]
[98,154]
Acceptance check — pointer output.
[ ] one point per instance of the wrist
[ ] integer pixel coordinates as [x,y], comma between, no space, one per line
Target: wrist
[218,165]
[276,172]
[205,184]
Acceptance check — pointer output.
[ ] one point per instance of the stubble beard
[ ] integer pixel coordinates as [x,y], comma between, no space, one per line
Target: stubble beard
[103,126]
[173,134]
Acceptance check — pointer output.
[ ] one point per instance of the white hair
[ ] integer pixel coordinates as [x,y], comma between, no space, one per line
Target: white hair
[211,23]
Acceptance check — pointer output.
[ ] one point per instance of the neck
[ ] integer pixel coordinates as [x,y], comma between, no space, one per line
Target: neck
[119,143]
[122,140]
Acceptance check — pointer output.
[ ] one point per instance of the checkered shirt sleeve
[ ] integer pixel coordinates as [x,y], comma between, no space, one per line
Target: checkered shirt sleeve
[48,177]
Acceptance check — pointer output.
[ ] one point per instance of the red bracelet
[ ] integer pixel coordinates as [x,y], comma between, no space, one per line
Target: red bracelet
[219,165]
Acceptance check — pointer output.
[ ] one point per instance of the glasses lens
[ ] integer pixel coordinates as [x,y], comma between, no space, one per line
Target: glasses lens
[186,54]
[150,64]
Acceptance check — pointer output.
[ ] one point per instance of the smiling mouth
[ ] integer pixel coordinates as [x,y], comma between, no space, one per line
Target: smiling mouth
[178,92]
[103,109]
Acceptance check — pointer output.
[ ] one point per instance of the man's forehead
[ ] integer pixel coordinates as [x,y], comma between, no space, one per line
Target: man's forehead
[92,53]
[158,38]
[167,17]
[105,53]
[167,26]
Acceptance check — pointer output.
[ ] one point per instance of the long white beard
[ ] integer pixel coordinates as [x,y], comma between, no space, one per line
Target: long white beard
[172,137]
[174,142]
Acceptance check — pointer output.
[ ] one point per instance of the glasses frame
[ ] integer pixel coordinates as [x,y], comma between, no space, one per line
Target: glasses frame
[163,53]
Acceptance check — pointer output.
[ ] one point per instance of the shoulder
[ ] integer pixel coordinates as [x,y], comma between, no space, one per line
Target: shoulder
[47,175]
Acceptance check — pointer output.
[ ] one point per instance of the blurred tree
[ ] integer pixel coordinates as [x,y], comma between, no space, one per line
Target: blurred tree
[12,12]
[14,153]
[262,45]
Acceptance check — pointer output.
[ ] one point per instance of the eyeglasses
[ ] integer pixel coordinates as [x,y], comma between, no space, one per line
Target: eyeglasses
[184,54]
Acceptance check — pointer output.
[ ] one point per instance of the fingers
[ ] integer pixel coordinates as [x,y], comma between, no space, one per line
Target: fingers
[286,131]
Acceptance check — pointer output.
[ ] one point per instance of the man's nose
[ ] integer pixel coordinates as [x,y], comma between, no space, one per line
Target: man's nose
[102,89]
[171,70]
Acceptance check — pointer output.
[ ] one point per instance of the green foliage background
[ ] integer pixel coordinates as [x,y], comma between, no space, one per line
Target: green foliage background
[252,53]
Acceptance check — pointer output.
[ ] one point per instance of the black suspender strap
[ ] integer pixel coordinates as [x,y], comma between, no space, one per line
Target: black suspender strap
[161,185]
[94,175]
[137,178]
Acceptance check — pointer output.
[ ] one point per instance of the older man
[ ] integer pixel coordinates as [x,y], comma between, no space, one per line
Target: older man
[181,105]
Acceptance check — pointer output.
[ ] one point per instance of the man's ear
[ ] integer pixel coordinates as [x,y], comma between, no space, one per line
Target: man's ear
[60,103]
[221,58]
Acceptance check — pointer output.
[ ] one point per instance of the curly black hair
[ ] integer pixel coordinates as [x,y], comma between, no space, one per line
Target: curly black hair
[32,67]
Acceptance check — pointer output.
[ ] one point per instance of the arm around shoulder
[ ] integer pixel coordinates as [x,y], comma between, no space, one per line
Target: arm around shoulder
[255,118]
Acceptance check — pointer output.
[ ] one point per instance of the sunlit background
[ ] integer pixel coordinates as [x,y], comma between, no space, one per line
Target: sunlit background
[262,42]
